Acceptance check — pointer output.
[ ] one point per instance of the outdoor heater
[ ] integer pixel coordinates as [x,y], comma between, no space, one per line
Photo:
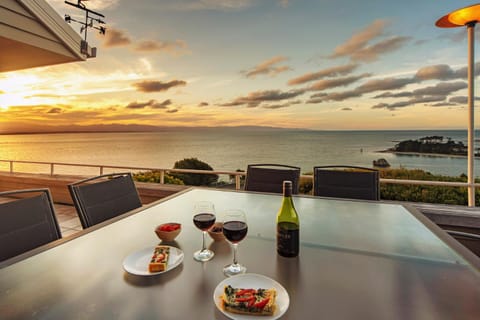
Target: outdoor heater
[468,16]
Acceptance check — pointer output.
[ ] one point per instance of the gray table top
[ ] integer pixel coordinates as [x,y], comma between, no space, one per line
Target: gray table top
[358,260]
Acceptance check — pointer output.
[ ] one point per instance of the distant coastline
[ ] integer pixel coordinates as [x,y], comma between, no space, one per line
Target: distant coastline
[431,146]
[424,154]
[137,128]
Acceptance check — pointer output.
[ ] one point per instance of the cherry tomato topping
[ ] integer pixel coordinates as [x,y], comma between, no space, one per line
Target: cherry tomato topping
[261,304]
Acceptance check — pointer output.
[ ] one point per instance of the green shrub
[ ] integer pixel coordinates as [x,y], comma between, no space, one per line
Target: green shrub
[154,177]
[423,193]
[195,179]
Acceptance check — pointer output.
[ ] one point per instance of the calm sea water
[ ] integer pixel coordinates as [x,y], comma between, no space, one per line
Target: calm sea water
[225,149]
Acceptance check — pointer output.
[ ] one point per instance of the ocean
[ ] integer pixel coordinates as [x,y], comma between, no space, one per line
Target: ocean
[226,149]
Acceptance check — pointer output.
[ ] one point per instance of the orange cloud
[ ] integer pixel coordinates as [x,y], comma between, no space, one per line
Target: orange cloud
[329,72]
[268,67]
[359,49]
[157,86]
[116,38]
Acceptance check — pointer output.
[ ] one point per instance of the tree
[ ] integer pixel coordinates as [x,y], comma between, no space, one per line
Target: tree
[194,179]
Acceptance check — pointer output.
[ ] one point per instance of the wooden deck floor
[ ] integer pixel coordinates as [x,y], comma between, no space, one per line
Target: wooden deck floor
[67,219]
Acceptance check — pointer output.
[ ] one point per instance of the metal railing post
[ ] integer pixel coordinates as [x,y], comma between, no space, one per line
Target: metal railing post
[162,176]
[51,168]
[101,170]
[237,182]
[11,166]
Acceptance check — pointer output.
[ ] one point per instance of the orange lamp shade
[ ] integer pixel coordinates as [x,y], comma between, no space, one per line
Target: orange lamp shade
[460,17]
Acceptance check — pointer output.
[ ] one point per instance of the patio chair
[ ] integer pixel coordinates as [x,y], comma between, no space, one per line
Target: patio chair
[270,177]
[346,182]
[470,240]
[104,197]
[27,221]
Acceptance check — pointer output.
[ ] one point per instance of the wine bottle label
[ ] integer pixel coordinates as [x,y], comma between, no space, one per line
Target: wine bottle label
[287,241]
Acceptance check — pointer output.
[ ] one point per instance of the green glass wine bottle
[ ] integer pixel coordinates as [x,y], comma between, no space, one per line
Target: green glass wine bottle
[288,225]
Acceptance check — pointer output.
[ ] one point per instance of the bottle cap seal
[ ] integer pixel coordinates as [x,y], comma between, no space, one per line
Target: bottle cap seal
[287,188]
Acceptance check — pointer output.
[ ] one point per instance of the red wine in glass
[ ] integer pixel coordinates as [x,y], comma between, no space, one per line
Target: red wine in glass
[204,221]
[235,231]
[203,218]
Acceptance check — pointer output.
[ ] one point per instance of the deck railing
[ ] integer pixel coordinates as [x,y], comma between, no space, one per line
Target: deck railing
[53,166]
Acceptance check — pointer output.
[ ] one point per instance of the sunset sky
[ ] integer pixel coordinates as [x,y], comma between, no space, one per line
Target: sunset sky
[317,64]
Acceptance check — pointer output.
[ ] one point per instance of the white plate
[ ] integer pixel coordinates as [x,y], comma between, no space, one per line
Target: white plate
[254,281]
[137,262]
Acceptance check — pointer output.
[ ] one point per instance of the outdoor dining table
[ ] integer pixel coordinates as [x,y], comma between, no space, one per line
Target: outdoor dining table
[358,260]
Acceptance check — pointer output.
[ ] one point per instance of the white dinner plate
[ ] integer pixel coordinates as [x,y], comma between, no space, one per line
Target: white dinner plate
[137,262]
[254,281]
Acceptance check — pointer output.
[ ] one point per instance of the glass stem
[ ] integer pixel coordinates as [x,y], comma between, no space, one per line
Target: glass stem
[203,241]
[235,253]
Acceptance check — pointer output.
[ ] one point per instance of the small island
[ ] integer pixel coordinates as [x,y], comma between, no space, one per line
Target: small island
[432,145]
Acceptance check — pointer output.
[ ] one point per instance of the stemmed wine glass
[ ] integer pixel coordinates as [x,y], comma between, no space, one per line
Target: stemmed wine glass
[203,218]
[235,228]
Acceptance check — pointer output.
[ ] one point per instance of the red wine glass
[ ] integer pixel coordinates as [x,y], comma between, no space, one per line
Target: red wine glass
[235,229]
[203,218]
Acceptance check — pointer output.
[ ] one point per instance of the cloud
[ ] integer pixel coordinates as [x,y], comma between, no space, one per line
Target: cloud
[281,105]
[443,104]
[334,96]
[384,84]
[444,72]
[360,40]
[268,67]
[55,110]
[153,104]
[116,38]
[339,82]
[157,86]
[369,86]
[161,105]
[329,72]
[389,94]
[254,99]
[440,71]
[171,47]
[458,100]
[346,109]
[172,111]
[139,105]
[359,49]
[443,88]
[203,104]
[371,53]
[402,104]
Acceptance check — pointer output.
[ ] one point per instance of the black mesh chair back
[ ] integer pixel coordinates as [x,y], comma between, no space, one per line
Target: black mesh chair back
[346,182]
[104,197]
[270,177]
[27,221]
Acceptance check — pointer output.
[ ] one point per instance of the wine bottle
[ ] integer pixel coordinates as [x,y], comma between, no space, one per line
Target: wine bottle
[288,225]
